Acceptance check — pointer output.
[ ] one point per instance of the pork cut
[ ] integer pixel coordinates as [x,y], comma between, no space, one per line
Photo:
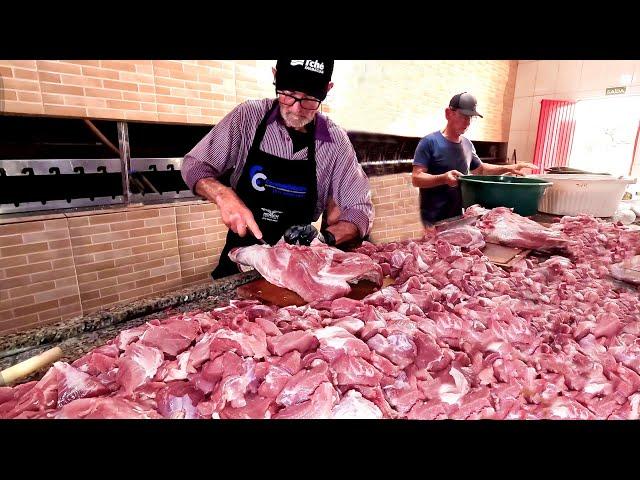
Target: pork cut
[467,236]
[317,272]
[627,270]
[502,226]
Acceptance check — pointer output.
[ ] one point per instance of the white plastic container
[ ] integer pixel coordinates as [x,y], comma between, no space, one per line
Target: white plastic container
[596,195]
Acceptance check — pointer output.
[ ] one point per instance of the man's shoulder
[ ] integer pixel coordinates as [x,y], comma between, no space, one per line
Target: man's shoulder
[336,132]
[431,139]
[433,135]
[252,109]
[466,140]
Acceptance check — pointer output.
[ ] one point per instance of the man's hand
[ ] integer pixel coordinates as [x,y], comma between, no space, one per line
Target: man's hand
[235,214]
[517,168]
[451,177]
[305,234]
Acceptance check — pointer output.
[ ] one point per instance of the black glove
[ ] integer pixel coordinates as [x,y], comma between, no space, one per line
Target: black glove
[304,235]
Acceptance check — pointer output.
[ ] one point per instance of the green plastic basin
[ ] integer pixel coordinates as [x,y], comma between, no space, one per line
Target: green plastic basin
[520,193]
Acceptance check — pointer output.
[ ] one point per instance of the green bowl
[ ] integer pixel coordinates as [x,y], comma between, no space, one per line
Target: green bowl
[491,191]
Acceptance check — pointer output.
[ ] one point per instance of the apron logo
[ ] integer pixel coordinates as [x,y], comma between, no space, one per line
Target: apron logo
[260,182]
[258,179]
[270,215]
[295,63]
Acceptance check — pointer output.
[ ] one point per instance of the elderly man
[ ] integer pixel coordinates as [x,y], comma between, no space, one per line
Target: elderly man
[273,166]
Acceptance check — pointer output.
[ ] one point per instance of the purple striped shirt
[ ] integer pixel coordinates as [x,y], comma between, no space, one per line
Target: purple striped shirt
[340,176]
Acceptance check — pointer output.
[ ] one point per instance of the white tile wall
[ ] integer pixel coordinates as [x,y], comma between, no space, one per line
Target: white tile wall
[521,113]
[546,77]
[526,79]
[530,147]
[517,142]
[615,70]
[593,74]
[636,74]
[568,78]
[535,113]
[633,90]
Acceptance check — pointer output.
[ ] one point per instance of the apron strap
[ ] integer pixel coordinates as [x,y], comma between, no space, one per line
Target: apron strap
[262,128]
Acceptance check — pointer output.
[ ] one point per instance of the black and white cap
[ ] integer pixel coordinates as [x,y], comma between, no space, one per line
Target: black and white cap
[309,76]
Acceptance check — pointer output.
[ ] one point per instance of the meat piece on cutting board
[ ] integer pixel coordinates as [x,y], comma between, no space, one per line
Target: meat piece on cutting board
[318,272]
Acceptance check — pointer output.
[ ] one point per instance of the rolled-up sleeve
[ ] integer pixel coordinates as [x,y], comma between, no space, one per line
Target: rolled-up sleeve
[216,153]
[351,190]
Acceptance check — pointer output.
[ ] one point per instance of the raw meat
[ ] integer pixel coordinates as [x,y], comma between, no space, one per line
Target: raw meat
[468,237]
[627,270]
[453,337]
[501,225]
[317,272]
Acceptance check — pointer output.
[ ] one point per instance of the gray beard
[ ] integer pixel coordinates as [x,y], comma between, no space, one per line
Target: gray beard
[295,123]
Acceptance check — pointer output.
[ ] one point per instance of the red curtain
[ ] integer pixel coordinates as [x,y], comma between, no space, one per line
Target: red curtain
[555,134]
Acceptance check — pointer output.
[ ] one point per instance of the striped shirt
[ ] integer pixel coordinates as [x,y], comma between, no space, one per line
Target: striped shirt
[340,176]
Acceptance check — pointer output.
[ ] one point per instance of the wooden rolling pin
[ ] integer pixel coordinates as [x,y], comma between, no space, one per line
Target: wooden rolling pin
[22,369]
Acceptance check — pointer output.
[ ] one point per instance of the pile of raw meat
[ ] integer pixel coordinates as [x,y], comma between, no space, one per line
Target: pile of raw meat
[455,337]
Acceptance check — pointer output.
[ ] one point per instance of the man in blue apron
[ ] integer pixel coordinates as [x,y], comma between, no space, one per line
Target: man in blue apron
[284,163]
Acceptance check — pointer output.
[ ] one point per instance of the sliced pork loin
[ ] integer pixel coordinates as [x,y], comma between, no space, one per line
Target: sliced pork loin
[467,237]
[502,226]
[317,272]
[627,270]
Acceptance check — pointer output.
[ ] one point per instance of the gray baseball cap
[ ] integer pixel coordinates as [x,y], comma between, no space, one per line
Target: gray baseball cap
[465,103]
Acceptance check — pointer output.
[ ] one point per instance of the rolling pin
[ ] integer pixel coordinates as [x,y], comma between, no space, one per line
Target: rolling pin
[22,369]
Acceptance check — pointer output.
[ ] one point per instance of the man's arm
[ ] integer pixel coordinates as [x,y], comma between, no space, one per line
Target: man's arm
[422,179]
[216,153]
[351,191]
[343,231]
[420,176]
[235,214]
[516,169]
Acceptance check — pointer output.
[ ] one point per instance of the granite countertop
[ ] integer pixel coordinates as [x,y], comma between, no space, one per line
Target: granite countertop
[79,336]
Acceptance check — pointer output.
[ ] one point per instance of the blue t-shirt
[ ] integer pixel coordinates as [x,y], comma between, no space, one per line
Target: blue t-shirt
[440,155]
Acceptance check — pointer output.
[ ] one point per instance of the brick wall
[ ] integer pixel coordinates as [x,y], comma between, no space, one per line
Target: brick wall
[393,97]
[147,90]
[395,202]
[59,266]
[38,281]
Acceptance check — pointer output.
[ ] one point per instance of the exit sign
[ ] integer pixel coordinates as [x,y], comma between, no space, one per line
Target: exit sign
[616,90]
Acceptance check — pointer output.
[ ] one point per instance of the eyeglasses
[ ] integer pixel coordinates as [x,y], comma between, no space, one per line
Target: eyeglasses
[305,102]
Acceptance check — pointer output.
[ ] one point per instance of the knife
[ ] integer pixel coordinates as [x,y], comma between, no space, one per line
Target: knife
[259,240]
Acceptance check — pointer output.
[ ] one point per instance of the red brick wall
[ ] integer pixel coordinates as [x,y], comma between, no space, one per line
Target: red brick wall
[56,267]
[394,97]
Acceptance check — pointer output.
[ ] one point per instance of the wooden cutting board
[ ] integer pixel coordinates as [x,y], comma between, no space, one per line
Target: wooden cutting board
[282,297]
[502,255]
